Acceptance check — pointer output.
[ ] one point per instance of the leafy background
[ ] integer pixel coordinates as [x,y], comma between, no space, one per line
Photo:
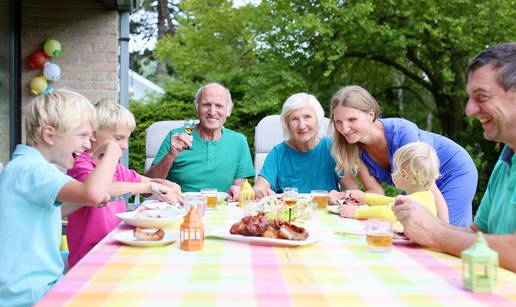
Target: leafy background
[411,55]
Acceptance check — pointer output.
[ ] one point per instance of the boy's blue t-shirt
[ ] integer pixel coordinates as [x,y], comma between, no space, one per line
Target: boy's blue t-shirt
[30,227]
[306,171]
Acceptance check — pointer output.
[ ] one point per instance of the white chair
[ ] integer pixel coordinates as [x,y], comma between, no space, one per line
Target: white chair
[267,134]
[154,136]
[1,167]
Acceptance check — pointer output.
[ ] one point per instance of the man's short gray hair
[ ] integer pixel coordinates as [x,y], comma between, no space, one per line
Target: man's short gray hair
[296,102]
[200,92]
[503,59]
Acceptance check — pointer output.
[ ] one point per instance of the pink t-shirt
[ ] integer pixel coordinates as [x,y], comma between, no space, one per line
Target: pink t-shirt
[88,225]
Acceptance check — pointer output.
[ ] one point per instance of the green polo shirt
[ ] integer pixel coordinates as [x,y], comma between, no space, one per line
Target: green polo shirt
[209,164]
[497,211]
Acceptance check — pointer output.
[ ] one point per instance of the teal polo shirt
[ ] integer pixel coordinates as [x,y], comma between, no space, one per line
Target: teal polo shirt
[209,164]
[497,211]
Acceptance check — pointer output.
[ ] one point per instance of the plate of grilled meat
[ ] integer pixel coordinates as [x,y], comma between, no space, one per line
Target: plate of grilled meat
[258,229]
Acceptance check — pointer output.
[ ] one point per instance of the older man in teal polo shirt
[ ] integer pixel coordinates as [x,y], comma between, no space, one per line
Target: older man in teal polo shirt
[217,157]
[492,99]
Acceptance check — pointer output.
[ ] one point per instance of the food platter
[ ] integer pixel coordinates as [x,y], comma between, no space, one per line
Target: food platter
[268,241]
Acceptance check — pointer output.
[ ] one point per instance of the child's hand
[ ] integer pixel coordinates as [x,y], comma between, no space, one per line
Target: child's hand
[174,186]
[347,211]
[108,148]
[165,193]
[354,196]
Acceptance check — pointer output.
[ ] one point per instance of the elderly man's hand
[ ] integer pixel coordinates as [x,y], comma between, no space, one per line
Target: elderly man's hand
[180,142]
[420,225]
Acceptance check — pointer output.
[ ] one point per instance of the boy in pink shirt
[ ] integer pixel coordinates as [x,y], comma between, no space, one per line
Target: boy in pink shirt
[87,226]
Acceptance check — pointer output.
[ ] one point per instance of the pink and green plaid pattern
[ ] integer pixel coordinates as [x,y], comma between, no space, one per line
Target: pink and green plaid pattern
[335,271]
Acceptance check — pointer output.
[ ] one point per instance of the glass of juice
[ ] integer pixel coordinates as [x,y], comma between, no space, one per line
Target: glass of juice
[211,196]
[321,198]
[290,199]
[379,235]
[189,126]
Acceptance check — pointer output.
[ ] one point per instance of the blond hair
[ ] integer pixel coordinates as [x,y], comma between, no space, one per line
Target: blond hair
[111,115]
[420,162]
[347,155]
[296,102]
[62,109]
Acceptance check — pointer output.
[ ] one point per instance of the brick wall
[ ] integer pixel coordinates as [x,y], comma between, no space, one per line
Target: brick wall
[88,34]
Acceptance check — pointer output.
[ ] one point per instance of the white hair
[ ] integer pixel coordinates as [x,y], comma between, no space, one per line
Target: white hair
[296,102]
[200,92]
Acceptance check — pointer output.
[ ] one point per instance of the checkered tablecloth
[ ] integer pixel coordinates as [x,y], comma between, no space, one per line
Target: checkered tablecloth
[335,271]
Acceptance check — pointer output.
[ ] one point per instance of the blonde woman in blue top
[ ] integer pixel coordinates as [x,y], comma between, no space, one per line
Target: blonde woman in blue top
[361,135]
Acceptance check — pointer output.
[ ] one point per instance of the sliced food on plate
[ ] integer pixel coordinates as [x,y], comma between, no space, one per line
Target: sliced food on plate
[260,226]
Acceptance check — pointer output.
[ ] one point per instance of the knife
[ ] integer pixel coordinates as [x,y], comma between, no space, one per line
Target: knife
[121,197]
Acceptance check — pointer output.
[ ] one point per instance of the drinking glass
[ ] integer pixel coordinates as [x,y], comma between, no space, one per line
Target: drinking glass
[320,197]
[379,235]
[290,199]
[189,126]
[199,201]
[211,196]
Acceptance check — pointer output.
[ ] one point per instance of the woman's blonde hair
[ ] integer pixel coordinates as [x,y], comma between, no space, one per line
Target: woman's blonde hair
[297,102]
[420,162]
[62,109]
[111,115]
[347,155]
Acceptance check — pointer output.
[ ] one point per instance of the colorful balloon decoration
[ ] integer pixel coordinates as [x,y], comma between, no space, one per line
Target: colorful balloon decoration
[37,59]
[51,72]
[52,48]
[38,85]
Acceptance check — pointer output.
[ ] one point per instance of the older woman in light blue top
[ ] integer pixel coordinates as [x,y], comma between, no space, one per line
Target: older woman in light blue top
[304,159]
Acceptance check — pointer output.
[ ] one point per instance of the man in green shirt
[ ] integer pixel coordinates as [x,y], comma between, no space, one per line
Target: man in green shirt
[492,99]
[212,156]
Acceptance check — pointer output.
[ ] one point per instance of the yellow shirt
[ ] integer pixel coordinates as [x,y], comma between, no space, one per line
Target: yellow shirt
[380,205]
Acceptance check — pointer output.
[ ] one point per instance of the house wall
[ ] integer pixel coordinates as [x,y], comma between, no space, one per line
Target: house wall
[88,34]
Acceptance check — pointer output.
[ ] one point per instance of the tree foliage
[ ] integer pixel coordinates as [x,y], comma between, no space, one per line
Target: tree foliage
[410,54]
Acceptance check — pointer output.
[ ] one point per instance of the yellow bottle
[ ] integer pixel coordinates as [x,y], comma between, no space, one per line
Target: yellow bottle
[246,194]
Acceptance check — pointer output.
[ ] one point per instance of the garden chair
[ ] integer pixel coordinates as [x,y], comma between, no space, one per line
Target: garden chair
[154,136]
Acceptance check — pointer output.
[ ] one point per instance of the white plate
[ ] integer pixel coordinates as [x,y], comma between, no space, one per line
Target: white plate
[167,218]
[159,205]
[334,209]
[126,237]
[268,241]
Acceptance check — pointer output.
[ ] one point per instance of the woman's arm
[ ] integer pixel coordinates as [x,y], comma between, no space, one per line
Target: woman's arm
[262,188]
[440,204]
[370,183]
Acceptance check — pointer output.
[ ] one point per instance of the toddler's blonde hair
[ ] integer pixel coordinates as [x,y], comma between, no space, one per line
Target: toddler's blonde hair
[111,115]
[420,161]
[62,109]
